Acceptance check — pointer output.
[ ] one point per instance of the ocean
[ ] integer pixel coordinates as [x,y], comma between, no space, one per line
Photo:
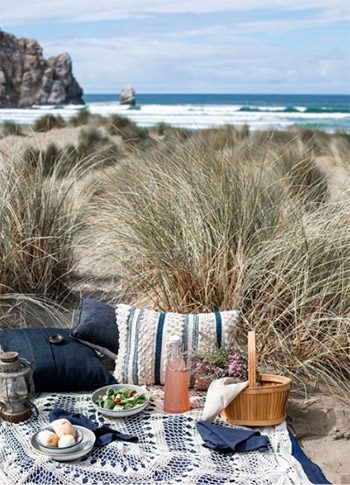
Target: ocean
[195,111]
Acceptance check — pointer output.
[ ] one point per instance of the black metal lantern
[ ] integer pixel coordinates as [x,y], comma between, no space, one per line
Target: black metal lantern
[16,387]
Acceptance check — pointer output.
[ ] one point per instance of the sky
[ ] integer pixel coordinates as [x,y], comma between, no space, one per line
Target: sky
[193,46]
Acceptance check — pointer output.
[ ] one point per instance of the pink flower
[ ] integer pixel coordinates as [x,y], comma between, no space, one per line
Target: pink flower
[222,362]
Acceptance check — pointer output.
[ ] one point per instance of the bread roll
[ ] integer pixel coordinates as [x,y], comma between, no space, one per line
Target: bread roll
[48,438]
[63,427]
[66,440]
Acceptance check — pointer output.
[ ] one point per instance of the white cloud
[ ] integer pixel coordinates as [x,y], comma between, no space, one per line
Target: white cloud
[273,26]
[171,52]
[173,66]
[17,12]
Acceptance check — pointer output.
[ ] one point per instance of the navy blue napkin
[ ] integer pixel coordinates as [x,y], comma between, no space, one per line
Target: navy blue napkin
[104,434]
[224,438]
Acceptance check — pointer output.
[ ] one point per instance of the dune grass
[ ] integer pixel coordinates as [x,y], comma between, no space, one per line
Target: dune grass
[196,221]
[39,216]
[168,131]
[83,117]
[131,134]
[47,123]
[53,160]
[93,150]
[242,224]
[9,128]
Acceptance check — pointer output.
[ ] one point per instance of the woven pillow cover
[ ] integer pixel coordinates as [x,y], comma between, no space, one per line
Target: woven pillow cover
[144,337]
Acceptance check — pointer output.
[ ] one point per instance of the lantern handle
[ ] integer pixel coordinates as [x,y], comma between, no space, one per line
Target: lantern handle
[2,406]
[33,408]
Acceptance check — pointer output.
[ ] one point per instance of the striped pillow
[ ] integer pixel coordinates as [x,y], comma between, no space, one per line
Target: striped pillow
[144,337]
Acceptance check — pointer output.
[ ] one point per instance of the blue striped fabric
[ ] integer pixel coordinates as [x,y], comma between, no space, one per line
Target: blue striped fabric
[195,332]
[218,328]
[159,342]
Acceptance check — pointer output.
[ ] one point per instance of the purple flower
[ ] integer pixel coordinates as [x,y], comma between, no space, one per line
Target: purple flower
[220,373]
[222,362]
[237,367]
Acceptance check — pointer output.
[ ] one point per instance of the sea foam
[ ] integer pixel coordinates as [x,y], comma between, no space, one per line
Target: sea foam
[197,116]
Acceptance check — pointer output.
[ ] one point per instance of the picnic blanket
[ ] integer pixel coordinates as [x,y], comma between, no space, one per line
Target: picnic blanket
[169,451]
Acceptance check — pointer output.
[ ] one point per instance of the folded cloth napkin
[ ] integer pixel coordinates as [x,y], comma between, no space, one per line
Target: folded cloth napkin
[220,393]
[104,434]
[225,438]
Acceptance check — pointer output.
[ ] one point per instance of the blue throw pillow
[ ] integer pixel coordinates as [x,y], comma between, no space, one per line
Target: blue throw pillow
[97,327]
[69,366]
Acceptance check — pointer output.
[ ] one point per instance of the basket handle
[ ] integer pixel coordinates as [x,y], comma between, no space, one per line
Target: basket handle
[251,359]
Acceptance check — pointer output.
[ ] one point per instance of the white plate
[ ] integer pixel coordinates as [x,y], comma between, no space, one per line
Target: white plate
[121,413]
[83,448]
[51,450]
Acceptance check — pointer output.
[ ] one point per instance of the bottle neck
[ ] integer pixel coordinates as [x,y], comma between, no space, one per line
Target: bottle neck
[175,350]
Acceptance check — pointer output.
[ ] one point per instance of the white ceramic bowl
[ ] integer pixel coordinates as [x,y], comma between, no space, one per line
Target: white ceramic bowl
[53,450]
[120,413]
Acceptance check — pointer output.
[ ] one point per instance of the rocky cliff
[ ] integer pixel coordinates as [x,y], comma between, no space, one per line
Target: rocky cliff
[26,78]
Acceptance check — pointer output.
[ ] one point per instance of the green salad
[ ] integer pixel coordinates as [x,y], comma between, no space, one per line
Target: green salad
[120,399]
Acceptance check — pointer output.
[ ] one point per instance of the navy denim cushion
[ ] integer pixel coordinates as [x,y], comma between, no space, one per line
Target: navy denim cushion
[97,327]
[69,366]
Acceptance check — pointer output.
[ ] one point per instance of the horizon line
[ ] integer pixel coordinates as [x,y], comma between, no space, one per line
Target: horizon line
[224,94]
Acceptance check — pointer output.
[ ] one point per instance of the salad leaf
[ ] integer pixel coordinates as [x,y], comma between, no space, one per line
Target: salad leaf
[121,399]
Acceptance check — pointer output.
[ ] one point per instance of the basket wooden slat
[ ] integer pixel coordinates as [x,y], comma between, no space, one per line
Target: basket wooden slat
[263,405]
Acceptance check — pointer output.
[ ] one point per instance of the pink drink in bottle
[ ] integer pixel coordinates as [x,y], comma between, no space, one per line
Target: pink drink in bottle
[176,395]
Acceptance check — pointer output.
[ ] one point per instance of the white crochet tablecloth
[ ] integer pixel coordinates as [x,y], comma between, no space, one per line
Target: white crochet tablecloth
[169,451]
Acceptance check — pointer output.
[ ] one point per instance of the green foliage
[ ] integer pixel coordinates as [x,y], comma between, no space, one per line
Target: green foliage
[117,123]
[131,133]
[167,131]
[221,138]
[90,141]
[224,361]
[50,158]
[14,95]
[97,147]
[82,118]
[161,128]
[48,122]
[10,128]
[93,150]
[47,159]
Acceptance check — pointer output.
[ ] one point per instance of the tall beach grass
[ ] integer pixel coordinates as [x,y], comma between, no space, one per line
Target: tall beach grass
[195,222]
[240,224]
[40,217]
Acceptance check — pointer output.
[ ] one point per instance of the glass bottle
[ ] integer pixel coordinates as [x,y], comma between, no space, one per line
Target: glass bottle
[177,376]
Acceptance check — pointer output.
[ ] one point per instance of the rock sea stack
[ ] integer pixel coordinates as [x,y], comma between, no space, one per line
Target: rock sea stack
[127,96]
[26,78]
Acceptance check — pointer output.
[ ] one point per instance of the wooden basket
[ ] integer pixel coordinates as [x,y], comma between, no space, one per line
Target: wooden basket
[264,405]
